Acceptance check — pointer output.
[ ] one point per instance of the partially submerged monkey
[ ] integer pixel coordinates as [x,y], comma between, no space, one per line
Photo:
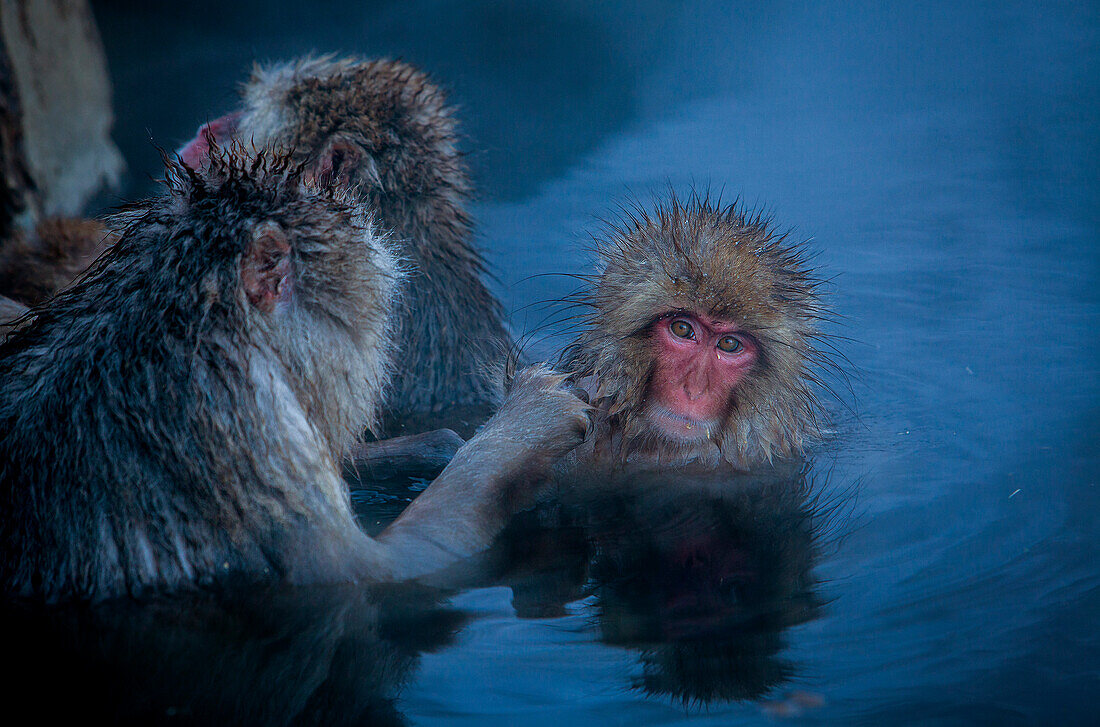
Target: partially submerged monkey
[700,341]
[383,129]
[178,416]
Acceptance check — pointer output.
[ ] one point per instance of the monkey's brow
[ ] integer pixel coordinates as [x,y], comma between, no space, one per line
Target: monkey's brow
[645,327]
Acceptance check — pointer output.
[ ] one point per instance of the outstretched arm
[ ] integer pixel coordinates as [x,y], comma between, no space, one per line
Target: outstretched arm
[414,455]
[499,471]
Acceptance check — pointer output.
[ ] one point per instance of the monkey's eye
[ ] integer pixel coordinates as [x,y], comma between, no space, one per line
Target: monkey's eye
[681,329]
[730,344]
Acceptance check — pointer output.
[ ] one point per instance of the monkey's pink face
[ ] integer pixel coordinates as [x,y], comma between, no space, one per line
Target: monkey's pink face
[699,364]
[195,152]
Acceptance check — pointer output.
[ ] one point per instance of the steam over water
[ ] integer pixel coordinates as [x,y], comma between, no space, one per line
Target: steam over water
[944,158]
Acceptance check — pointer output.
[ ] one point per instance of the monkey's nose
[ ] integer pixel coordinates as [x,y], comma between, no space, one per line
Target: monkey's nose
[694,393]
[696,386]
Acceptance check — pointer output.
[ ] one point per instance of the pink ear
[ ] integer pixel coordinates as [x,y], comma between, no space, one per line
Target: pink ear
[338,162]
[195,152]
[266,269]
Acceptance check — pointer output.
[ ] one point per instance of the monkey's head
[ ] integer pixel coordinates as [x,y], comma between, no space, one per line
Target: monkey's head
[274,269]
[379,127]
[701,335]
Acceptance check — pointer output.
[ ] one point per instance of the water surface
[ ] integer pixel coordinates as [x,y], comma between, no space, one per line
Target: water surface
[944,160]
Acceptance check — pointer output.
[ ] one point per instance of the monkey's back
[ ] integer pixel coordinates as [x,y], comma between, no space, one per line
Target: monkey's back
[106,485]
[134,451]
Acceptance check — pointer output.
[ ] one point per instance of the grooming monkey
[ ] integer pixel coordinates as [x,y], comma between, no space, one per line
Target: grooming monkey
[384,130]
[700,341]
[178,416]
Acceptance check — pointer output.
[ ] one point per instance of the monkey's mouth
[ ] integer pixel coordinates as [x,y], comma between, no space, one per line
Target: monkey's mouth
[678,427]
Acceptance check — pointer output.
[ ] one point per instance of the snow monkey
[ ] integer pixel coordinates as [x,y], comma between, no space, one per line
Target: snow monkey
[178,416]
[700,340]
[383,129]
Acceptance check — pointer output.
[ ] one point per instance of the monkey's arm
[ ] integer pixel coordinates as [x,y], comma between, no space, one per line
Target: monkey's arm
[415,455]
[491,477]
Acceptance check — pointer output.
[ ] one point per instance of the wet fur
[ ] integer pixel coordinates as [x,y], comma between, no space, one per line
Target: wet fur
[450,326]
[696,255]
[157,430]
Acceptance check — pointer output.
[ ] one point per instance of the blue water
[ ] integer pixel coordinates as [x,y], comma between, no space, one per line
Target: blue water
[943,158]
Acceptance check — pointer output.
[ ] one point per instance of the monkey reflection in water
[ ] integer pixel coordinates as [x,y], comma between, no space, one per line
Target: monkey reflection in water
[700,571]
[178,416]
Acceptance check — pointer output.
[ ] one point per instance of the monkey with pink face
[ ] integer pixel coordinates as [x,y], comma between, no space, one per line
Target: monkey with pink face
[700,341]
[700,355]
[700,344]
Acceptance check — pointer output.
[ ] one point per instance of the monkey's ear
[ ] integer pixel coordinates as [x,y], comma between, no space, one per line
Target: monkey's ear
[340,161]
[266,267]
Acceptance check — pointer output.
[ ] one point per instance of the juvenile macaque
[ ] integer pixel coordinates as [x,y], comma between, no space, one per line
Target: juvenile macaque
[700,343]
[382,129]
[37,264]
[178,416]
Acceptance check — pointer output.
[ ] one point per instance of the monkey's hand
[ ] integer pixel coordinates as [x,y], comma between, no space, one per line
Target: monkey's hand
[499,471]
[544,414]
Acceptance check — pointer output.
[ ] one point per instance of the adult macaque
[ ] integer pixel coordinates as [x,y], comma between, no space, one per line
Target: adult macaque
[383,130]
[178,416]
[700,343]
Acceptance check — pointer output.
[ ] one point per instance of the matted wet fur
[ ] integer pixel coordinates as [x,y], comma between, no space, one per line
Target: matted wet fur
[157,429]
[179,415]
[383,128]
[697,255]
